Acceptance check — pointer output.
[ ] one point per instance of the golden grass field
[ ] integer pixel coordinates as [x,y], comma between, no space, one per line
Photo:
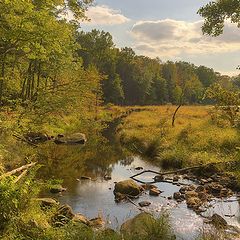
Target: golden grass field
[196,138]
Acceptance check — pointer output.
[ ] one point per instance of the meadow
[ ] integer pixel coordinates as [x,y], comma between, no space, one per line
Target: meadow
[198,136]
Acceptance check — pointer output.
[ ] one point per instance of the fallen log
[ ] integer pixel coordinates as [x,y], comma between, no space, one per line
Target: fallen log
[17,170]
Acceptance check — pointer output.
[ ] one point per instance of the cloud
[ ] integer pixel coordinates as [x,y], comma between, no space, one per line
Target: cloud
[171,38]
[103,15]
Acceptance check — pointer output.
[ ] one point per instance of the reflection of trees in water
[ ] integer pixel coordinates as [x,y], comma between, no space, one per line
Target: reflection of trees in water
[95,159]
[127,161]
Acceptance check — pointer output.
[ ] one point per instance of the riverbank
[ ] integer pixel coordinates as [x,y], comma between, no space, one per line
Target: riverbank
[197,138]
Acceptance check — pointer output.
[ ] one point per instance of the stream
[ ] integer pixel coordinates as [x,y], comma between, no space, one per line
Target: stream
[95,197]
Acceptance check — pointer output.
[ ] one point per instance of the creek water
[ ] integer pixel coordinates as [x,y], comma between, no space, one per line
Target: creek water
[95,196]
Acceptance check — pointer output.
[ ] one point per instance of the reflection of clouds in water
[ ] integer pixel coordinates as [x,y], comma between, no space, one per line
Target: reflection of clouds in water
[89,197]
[229,208]
[186,223]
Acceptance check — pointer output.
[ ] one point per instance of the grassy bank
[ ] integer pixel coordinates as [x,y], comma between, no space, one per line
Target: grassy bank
[197,138]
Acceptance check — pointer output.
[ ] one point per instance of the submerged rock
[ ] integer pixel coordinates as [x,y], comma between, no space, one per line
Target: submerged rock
[158,178]
[144,204]
[154,192]
[128,187]
[139,168]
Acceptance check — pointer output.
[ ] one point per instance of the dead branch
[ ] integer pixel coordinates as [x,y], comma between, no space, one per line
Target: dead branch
[21,175]
[182,170]
[17,170]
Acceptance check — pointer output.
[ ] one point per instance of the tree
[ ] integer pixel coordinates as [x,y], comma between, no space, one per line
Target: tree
[217,12]
[227,102]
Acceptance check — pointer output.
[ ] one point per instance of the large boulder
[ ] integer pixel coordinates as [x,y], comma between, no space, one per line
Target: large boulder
[73,139]
[137,225]
[128,187]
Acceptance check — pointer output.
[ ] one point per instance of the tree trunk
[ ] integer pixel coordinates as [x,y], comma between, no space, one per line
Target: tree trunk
[2,79]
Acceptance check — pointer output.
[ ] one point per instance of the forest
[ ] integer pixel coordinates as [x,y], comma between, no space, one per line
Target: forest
[58,83]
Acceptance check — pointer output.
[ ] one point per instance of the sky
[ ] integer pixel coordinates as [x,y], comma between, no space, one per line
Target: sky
[168,29]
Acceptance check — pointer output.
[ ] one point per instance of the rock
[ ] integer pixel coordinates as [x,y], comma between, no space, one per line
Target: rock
[57,189]
[85,178]
[96,222]
[225,192]
[148,186]
[203,196]
[63,216]
[74,139]
[137,225]
[107,178]
[36,137]
[200,189]
[81,218]
[175,178]
[158,178]
[191,187]
[177,195]
[190,194]
[144,204]
[128,187]
[47,202]
[139,168]
[193,202]
[154,192]
[119,197]
[214,188]
[218,221]
[183,189]
[203,181]
[66,211]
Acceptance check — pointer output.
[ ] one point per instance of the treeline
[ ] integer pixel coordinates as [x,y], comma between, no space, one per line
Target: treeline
[47,63]
[139,80]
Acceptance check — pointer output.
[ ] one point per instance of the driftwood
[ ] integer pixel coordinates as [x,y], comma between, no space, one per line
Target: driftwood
[18,170]
[25,140]
[21,175]
[182,170]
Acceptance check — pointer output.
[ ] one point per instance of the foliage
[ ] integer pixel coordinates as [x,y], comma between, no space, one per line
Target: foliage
[227,101]
[217,12]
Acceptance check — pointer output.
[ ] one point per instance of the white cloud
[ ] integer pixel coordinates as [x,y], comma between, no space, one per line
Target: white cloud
[103,15]
[171,38]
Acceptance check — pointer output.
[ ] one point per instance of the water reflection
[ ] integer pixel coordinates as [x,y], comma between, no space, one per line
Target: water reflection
[89,197]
